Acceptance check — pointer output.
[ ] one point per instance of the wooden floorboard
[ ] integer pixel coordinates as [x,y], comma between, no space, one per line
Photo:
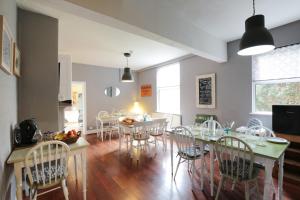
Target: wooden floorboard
[115,176]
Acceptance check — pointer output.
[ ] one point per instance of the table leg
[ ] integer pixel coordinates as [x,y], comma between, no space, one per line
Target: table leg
[83,164]
[202,165]
[269,164]
[97,126]
[280,178]
[101,130]
[18,175]
[75,166]
[171,150]
[212,168]
[120,138]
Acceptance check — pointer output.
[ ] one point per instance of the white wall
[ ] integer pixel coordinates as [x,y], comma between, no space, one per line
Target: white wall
[8,109]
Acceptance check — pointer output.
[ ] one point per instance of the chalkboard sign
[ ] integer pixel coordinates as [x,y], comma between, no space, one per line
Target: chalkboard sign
[205,91]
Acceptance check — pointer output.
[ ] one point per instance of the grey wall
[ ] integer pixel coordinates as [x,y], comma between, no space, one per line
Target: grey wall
[8,109]
[97,79]
[38,85]
[234,88]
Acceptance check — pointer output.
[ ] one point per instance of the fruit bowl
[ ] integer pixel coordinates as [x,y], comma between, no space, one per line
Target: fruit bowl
[128,121]
[69,138]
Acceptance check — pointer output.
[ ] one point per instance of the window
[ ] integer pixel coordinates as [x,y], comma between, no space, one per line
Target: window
[168,89]
[276,79]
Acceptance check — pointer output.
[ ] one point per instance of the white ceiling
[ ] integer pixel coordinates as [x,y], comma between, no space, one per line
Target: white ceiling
[225,18]
[94,43]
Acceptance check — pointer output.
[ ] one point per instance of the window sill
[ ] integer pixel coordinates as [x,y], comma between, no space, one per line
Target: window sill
[261,113]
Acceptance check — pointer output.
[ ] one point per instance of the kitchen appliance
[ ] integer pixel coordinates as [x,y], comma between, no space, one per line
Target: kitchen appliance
[24,135]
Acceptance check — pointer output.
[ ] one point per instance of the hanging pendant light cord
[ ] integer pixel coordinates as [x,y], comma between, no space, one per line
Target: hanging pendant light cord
[253,4]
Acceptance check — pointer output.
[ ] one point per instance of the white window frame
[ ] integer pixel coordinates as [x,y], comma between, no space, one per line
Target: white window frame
[254,83]
[173,86]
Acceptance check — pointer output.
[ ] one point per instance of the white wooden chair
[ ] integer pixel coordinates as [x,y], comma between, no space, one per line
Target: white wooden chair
[254,122]
[106,126]
[264,132]
[211,125]
[235,158]
[100,115]
[141,136]
[187,149]
[260,131]
[46,166]
[159,132]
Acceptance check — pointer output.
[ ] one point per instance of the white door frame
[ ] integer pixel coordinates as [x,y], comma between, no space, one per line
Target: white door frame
[83,83]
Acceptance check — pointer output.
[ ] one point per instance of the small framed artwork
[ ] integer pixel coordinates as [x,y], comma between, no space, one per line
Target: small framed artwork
[6,46]
[146,90]
[206,91]
[17,61]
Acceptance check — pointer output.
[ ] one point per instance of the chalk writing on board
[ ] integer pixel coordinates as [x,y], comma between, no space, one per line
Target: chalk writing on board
[205,91]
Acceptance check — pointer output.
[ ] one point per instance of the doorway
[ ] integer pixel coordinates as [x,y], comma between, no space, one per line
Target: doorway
[75,115]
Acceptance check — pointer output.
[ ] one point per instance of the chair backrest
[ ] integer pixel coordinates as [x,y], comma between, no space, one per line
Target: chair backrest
[160,125]
[211,124]
[260,131]
[102,114]
[254,122]
[235,157]
[47,163]
[144,128]
[184,139]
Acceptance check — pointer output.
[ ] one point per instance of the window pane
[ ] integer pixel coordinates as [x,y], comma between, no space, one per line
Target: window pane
[267,95]
[168,100]
[168,76]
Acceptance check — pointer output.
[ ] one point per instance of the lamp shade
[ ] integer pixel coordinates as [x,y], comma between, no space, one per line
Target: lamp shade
[256,39]
[127,77]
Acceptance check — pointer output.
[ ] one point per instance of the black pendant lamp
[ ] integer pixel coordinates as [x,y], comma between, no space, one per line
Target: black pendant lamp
[127,77]
[256,39]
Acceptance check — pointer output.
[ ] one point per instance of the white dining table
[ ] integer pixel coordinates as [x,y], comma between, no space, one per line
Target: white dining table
[266,155]
[17,159]
[130,128]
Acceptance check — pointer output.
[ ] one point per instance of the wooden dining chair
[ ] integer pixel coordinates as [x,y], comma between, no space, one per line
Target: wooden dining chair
[254,122]
[159,132]
[46,166]
[211,124]
[235,159]
[260,131]
[187,149]
[141,136]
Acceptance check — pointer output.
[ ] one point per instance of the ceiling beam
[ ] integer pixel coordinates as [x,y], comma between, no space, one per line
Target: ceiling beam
[152,19]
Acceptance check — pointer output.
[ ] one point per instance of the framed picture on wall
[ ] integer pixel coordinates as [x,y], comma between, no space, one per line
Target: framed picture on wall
[6,46]
[17,61]
[206,91]
[146,90]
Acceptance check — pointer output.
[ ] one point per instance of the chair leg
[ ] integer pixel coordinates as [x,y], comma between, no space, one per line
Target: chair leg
[193,168]
[65,189]
[257,189]
[219,187]
[247,195]
[177,167]
[233,185]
